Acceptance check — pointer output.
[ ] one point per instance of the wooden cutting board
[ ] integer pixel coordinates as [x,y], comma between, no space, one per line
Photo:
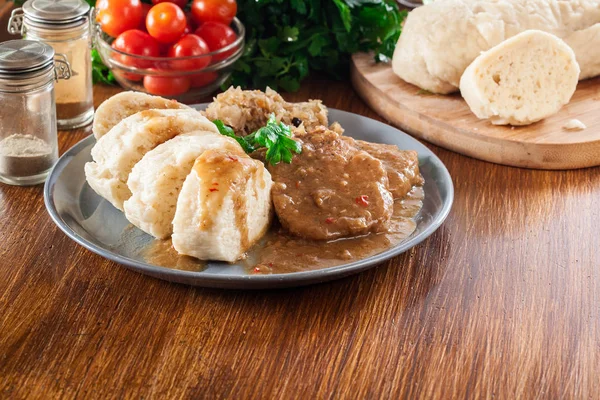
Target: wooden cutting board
[448,122]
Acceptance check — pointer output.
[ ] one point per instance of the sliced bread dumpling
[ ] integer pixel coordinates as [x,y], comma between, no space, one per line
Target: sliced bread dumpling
[522,80]
[156,180]
[224,206]
[122,105]
[123,146]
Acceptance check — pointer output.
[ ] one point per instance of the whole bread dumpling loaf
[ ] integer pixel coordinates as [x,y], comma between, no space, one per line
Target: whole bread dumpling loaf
[124,145]
[441,39]
[522,80]
[157,178]
[122,105]
[224,206]
[586,45]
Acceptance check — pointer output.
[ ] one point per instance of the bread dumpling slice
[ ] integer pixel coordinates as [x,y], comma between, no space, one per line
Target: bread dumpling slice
[224,206]
[157,178]
[122,105]
[123,146]
[522,80]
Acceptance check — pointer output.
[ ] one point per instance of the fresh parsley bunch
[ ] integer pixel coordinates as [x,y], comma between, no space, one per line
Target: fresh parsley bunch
[275,136]
[100,72]
[285,40]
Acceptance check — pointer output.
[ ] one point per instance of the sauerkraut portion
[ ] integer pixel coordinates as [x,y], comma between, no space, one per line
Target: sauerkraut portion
[248,110]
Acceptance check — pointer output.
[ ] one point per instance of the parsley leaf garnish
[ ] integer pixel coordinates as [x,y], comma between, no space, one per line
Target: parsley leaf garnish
[275,136]
[227,131]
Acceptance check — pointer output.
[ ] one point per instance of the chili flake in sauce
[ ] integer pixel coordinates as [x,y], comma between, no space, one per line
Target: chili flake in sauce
[362,200]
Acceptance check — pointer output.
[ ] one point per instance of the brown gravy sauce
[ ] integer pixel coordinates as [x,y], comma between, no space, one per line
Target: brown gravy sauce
[162,253]
[280,252]
[222,172]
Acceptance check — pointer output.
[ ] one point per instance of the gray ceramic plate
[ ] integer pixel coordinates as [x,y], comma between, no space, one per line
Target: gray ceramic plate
[96,225]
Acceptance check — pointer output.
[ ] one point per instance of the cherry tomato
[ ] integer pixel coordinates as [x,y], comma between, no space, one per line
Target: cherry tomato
[139,43]
[118,16]
[204,78]
[164,49]
[180,3]
[188,30]
[217,36]
[145,9]
[190,45]
[166,85]
[214,10]
[191,23]
[166,22]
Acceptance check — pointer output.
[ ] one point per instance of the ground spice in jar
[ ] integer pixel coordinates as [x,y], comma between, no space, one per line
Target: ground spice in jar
[71,110]
[25,155]
[64,25]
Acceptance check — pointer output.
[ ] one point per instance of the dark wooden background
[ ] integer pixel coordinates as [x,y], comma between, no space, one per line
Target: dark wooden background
[503,301]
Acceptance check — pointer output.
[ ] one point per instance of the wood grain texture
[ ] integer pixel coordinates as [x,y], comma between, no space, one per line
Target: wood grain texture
[448,122]
[503,301]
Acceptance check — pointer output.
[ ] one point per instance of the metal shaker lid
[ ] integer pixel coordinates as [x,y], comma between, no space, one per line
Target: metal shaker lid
[23,57]
[55,11]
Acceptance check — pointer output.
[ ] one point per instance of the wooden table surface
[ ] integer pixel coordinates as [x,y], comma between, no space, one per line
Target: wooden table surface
[503,301]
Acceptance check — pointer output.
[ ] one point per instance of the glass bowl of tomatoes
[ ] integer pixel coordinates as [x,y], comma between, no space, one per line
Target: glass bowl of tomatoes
[169,53]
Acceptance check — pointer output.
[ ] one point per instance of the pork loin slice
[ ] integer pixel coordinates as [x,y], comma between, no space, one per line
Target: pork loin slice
[401,166]
[332,189]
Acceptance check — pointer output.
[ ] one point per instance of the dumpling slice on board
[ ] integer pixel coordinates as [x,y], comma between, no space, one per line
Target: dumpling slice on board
[224,206]
[116,153]
[156,180]
[523,80]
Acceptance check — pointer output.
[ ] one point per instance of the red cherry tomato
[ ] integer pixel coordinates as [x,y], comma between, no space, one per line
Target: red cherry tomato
[204,78]
[164,49]
[180,3]
[214,10]
[118,16]
[127,75]
[145,9]
[217,36]
[166,22]
[166,85]
[139,43]
[191,23]
[189,45]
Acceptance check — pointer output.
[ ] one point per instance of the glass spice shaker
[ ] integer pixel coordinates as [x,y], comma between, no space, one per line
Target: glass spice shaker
[28,140]
[64,25]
